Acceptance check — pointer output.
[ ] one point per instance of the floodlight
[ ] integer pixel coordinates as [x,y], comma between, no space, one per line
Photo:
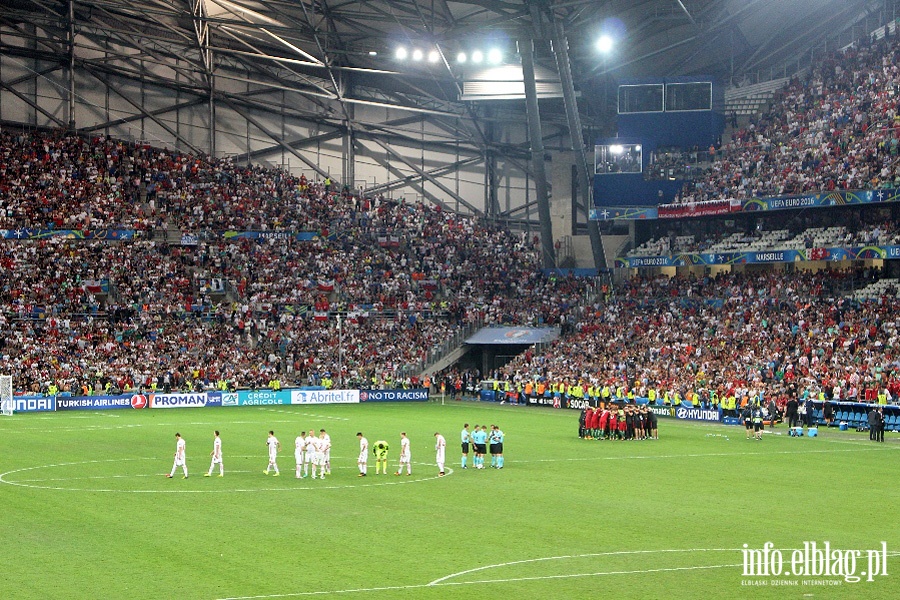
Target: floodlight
[372,53]
[461,57]
[477,56]
[616,149]
[434,56]
[495,56]
[417,54]
[401,53]
[605,44]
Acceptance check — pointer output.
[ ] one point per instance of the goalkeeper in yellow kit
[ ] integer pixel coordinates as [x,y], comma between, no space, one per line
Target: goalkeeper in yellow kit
[380,450]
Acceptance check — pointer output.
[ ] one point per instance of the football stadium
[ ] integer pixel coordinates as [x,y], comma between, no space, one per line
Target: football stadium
[373,298]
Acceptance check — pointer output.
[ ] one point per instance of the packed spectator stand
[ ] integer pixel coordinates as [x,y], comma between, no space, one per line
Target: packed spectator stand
[138,313]
[379,285]
[835,127]
[724,341]
[737,337]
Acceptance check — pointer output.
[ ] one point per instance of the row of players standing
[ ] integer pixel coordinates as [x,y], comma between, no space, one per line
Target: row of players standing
[315,452]
[380,450]
[309,450]
[614,422]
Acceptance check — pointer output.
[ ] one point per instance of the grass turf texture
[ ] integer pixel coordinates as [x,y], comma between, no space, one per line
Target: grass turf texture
[648,519]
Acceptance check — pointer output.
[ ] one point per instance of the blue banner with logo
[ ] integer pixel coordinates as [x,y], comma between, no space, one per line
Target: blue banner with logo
[768,256]
[99,402]
[27,404]
[413,395]
[698,414]
[300,236]
[614,213]
[193,400]
[72,234]
[833,198]
[257,398]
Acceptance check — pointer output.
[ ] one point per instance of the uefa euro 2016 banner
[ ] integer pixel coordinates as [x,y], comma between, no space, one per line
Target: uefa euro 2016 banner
[71,234]
[300,236]
[768,256]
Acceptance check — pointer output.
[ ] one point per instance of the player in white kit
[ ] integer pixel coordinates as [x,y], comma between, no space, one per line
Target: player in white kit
[319,462]
[440,448]
[404,455]
[274,448]
[363,460]
[179,457]
[299,451]
[310,458]
[216,457]
[326,451]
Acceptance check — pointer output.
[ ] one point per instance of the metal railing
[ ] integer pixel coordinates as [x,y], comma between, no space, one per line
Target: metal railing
[440,352]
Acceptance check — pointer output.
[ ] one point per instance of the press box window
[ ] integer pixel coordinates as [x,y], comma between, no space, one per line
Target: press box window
[617,158]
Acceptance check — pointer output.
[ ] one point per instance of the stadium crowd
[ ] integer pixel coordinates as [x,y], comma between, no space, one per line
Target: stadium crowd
[725,340]
[836,127]
[142,312]
[72,182]
[86,315]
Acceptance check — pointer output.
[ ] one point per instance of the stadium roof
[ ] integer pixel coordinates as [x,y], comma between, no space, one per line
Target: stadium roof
[324,47]
[340,54]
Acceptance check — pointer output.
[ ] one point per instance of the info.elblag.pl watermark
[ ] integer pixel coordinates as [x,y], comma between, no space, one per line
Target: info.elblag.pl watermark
[815,564]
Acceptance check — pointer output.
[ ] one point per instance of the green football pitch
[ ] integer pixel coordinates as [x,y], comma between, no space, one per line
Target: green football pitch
[86,512]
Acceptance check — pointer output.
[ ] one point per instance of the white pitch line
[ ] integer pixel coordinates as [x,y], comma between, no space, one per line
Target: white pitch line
[479,582]
[595,574]
[24,483]
[590,555]
[299,414]
[129,476]
[21,482]
[443,581]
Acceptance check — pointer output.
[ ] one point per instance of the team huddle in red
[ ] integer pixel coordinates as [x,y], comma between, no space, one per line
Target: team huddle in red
[629,422]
